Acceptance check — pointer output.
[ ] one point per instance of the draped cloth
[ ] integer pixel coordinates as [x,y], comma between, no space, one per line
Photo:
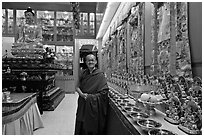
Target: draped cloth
[28,121]
[91,113]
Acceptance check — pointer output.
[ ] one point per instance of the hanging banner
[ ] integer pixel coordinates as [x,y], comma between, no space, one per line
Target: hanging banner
[171,49]
[136,34]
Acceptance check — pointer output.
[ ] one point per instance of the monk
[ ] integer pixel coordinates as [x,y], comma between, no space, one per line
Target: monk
[93,100]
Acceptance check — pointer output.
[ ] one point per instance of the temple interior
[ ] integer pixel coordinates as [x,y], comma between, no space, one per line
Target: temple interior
[150,55]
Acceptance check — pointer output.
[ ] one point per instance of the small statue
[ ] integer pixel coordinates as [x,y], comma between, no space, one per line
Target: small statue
[191,119]
[173,111]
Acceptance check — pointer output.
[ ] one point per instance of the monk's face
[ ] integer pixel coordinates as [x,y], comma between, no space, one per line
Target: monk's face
[91,61]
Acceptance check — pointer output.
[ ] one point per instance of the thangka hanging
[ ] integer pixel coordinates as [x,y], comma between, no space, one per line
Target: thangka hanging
[183,57]
[163,42]
[122,54]
[106,66]
[172,43]
[136,34]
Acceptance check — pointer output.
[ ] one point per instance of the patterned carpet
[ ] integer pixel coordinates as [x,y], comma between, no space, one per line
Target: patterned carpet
[61,121]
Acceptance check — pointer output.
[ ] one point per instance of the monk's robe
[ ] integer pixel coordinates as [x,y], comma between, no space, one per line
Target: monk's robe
[92,112]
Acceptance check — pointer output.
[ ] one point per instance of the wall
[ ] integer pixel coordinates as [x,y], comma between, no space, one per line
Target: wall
[195,36]
[147,39]
[65,83]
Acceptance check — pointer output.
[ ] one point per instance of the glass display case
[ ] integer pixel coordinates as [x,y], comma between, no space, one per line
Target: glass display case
[81,27]
[92,23]
[46,20]
[87,24]
[7,21]
[57,26]
[20,18]
[64,56]
[3,21]
[10,22]
[64,26]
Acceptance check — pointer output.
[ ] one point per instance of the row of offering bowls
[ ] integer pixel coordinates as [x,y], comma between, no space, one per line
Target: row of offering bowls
[138,115]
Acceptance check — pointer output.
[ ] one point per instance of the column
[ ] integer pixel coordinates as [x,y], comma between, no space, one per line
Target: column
[155,39]
[172,39]
[99,54]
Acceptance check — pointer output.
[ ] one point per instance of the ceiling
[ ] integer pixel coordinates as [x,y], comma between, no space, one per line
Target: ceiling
[101,7]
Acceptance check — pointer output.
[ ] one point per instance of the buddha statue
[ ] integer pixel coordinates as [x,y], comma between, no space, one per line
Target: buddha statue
[29,37]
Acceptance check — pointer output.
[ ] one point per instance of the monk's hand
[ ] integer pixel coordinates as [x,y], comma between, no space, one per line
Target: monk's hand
[88,96]
[84,95]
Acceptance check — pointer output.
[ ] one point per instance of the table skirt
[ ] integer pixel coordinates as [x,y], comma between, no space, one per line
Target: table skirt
[26,124]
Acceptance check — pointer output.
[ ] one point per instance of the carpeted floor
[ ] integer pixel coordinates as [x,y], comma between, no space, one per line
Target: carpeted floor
[61,121]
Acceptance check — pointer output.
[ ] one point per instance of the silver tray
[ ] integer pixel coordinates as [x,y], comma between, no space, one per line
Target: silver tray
[188,131]
[131,105]
[139,115]
[161,132]
[172,121]
[127,108]
[148,124]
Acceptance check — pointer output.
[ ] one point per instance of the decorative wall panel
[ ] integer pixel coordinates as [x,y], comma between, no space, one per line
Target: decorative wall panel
[136,37]
[171,46]
[183,57]
[122,44]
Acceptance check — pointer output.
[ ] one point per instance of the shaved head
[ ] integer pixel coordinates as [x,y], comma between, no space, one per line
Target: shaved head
[90,56]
